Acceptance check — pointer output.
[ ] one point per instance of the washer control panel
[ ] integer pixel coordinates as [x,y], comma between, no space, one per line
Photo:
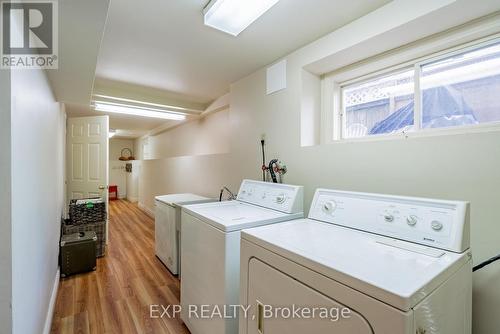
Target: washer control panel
[277,196]
[438,223]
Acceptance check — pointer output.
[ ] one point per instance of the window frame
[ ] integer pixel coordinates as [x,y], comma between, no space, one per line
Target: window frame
[334,105]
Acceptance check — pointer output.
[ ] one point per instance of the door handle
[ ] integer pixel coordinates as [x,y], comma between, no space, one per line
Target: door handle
[260,317]
[101,187]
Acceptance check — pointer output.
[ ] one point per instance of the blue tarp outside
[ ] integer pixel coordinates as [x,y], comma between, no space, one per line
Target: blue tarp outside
[442,108]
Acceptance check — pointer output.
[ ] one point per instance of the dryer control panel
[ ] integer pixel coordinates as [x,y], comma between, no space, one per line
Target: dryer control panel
[437,223]
[277,196]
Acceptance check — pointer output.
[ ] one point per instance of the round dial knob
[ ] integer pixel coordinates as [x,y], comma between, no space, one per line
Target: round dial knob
[280,198]
[412,220]
[388,218]
[436,225]
[329,206]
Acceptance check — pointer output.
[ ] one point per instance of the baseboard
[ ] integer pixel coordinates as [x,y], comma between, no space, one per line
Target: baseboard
[133,199]
[146,210]
[52,303]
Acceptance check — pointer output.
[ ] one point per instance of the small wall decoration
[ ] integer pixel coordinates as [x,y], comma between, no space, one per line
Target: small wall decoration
[126,155]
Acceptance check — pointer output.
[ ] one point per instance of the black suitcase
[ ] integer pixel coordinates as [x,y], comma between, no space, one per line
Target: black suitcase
[78,253]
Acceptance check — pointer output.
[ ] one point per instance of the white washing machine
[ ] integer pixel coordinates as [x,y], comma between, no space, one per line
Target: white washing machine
[167,227]
[395,265]
[211,249]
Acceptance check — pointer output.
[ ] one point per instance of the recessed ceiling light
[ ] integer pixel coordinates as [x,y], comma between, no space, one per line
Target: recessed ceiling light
[234,16]
[138,111]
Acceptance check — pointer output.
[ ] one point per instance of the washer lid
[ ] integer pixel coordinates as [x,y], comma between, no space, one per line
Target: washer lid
[179,199]
[235,215]
[396,272]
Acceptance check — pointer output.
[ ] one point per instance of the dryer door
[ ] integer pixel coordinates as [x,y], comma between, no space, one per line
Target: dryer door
[280,304]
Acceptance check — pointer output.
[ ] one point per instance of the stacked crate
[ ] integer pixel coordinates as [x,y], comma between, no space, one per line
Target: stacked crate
[88,215]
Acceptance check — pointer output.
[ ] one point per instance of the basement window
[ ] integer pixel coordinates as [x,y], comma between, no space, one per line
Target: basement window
[370,107]
[454,91]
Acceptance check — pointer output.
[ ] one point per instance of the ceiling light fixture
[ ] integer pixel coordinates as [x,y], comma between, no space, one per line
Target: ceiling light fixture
[112,99]
[138,111]
[234,16]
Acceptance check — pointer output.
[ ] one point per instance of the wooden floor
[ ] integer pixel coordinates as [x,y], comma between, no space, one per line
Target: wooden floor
[116,297]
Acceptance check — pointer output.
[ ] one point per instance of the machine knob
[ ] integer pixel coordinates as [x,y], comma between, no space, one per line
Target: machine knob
[412,220]
[389,218]
[280,198]
[436,225]
[329,207]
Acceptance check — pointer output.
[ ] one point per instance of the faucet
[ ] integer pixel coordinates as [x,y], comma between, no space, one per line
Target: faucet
[232,196]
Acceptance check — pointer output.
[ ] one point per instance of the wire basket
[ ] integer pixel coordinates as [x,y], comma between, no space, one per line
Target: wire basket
[99,228]
[85,213]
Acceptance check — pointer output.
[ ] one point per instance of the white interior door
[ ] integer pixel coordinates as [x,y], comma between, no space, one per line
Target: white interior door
[87,157]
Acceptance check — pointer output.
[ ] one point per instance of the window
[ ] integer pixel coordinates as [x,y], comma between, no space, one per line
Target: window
[380,105]
[460,89]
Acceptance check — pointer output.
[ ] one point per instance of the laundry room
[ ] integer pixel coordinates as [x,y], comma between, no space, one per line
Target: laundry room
[264,167]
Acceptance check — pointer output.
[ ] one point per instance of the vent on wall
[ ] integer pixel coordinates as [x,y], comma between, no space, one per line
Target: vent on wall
[276,77]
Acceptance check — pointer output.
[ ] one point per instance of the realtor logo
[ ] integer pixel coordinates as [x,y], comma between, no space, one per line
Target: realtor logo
[29,34]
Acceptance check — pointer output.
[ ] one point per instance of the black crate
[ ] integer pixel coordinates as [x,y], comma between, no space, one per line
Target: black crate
[91,212]
[78,253]
[99,228]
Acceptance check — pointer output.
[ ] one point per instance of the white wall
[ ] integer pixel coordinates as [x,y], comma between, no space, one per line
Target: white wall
[192,157]
[5,204]
[116,145]
[38,137]
[117,174]
[208,135]
[203,175]
[450,167]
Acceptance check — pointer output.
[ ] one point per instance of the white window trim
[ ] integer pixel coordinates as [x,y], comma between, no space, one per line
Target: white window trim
[332,108]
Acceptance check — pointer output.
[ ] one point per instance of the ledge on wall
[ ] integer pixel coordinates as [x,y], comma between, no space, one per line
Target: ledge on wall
[310,109]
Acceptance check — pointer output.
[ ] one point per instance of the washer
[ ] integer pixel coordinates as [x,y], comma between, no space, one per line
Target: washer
[395,265]
[167,227]
[211,249]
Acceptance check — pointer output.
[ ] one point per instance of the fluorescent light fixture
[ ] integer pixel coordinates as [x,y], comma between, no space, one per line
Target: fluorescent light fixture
[138,111]
[137,102]
[234,16]
[111,133]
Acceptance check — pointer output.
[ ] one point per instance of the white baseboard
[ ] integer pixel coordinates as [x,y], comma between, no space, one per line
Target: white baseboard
[147,210]
[133,199]
[52,303]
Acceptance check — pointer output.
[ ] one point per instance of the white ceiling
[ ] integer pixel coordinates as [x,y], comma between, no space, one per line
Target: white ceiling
[164,44]
[81,25]
[161,51]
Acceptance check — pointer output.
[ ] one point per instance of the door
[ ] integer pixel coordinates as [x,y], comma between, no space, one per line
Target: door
[87,157]
[274,296]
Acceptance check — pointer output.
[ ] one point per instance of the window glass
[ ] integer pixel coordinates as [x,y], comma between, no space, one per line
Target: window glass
[379,106]
[463,89]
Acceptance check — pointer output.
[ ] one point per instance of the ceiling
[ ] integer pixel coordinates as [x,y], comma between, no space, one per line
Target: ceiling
[80,26]
[165,45]
[162,48]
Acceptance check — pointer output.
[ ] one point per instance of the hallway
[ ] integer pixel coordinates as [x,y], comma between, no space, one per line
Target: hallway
[116,297]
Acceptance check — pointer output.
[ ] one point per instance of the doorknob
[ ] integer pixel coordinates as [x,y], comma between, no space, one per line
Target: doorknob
[102,187]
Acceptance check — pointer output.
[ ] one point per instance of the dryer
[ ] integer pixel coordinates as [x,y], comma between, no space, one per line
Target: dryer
[395,265]
[211,249]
